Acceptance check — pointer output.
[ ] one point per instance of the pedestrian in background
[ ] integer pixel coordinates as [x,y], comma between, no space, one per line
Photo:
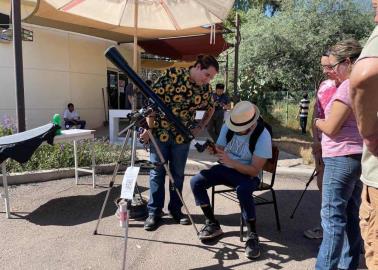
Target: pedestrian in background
[221,103]
[303,112]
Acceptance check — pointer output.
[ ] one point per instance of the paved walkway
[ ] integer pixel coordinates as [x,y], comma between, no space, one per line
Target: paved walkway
[54,221]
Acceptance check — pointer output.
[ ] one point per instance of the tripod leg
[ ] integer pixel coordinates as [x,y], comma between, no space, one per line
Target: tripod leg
[124,210]
[314,173]
[111,183]
[162,160]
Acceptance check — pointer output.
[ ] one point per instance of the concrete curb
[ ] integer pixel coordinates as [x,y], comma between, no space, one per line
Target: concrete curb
[54,174]
[195,164]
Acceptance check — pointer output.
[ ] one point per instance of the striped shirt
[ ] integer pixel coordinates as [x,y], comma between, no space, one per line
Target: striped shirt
[303,105]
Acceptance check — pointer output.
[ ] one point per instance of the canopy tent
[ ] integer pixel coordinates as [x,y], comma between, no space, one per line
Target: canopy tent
[185,48]
[157,64]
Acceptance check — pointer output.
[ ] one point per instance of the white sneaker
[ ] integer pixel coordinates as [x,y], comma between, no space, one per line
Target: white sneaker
[314,233]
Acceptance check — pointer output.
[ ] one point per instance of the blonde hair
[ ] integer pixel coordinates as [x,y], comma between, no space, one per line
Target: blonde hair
[348,48]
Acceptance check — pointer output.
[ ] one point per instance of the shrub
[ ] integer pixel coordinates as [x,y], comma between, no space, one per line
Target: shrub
[61,156]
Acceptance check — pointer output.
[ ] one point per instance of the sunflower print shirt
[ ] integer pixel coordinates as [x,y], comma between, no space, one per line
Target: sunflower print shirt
[183,97]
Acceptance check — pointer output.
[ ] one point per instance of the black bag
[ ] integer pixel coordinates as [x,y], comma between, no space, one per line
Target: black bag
[261,124]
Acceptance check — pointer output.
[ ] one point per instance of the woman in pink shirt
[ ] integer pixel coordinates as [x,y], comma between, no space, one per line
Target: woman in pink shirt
[326,90]
[341,153]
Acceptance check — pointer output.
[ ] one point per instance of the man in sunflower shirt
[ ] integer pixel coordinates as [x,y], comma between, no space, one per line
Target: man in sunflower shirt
[184,91]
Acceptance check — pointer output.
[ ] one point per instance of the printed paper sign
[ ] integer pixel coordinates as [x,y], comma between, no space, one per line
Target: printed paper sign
[128,183]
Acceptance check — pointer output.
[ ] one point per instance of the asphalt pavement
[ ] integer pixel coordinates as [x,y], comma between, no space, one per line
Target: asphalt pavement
[53,223]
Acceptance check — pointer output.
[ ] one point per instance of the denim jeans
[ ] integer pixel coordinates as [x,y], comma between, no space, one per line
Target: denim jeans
[222,175]
[341,199]
[176,156]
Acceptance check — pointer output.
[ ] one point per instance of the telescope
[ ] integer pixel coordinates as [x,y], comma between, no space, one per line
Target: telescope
[117,59]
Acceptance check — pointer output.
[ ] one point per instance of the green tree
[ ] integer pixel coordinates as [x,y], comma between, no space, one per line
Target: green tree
[282,52]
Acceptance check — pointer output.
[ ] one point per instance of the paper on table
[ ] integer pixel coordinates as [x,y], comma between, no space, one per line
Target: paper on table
[128,183]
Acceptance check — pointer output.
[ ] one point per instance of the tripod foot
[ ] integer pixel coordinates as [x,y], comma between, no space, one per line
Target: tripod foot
[95,232]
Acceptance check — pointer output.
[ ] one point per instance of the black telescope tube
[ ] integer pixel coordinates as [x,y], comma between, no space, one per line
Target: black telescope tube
[117,59]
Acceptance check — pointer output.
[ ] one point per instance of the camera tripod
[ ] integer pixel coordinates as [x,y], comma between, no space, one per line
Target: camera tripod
[137,120]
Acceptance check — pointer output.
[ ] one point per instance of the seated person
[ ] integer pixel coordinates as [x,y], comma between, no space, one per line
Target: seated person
[72,118]
[238,168]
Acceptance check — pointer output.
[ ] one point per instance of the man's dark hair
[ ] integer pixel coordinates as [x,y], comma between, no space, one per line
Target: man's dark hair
[69,105]
[207,61]
[219,86]
[305,95]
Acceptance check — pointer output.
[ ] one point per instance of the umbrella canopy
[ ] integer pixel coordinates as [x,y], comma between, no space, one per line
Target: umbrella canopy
[185,48]
[114,20]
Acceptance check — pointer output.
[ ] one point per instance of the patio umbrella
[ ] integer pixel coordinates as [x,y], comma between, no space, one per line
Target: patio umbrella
[185,48]
[139,17]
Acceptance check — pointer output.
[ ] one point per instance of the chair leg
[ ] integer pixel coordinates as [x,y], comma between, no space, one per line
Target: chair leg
[241,228]
[212,197]
[276,210]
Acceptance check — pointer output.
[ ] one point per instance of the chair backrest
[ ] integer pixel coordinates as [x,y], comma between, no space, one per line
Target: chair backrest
[271,164]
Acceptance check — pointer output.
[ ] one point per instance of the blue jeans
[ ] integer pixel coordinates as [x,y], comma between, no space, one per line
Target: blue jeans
[341,199]
[222,175]
[176,156]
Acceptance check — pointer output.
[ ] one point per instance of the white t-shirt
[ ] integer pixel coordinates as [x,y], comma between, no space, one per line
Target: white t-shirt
[70,115]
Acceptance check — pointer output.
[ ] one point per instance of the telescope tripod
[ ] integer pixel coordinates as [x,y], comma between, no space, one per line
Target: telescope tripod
[137,121]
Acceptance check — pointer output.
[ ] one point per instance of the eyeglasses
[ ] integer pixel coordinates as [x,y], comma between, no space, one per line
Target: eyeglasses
[337,63]
[332,67]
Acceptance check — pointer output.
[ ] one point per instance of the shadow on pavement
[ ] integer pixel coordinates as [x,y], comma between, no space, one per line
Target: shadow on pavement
[75,210]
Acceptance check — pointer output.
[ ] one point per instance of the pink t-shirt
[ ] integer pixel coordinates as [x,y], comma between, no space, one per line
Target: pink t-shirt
[348,140]
[325,92]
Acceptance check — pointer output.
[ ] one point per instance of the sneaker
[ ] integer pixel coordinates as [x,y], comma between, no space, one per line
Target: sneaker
[180,218]
[314,233]
[152,222]
[252,246]
[210,230]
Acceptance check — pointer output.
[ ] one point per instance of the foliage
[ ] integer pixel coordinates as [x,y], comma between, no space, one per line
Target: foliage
[7,126]
[61,156]
[281,53]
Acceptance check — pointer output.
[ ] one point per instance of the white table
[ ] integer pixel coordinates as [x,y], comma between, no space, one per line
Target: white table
[115,115]
[72,135]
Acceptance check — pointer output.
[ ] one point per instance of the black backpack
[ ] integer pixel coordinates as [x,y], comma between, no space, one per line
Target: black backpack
[261,124]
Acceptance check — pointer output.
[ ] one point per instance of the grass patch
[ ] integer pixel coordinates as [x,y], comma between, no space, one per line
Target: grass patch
[287,133]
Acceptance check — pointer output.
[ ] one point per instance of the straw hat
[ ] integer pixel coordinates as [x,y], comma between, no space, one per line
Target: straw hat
[242,116]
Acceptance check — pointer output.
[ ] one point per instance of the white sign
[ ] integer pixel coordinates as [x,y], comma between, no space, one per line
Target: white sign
[128,183]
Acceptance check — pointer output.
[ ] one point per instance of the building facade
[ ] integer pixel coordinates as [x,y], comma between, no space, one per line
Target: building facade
[59,68]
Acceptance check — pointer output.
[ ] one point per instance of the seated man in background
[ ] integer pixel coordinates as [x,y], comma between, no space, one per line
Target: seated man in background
[241,161]
[72,118]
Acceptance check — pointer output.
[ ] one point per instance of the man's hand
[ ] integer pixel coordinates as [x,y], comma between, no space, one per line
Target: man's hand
[145,137]
[224,158]
[196,131]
